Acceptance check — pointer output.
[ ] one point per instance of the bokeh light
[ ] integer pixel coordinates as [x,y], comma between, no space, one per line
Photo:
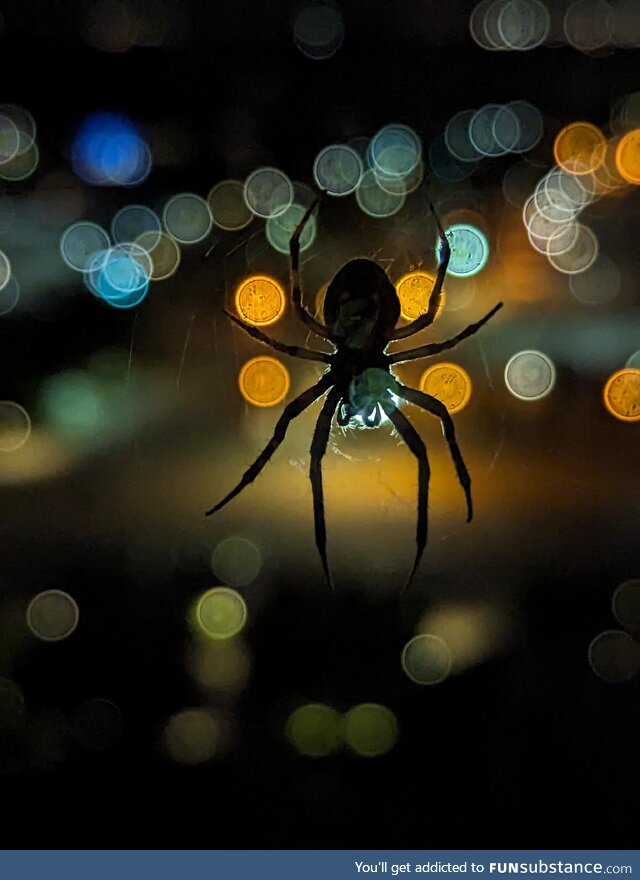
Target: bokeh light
[122,279]
[598,285]
[109,151]
[279,229]
[614,656]
[74,408]
[395,150]
[494,130]
[625,604]
[314,730]
[9,139]
[219,665]
[264,381]
[530,375]
[414,291]
[530,125]
[18,121]
[163,252]
[228,208]
[52,615]
[80,243]
[627,156]
[133,221]
[449,383]
[220,613]
[376,201]
[268,192]
[633,360]
[472,632]
[621,395]
[338,169]
[260,300]
[15,426]
[580,255]
[469,249]
[370,729]
[523,24]
[579,148]
[445,165]
[21,166]
[9,296]
[236,561]
[588,24]
[426,659]
[5,270]
[193,736]
[456,137]
[318,30]
[187,218]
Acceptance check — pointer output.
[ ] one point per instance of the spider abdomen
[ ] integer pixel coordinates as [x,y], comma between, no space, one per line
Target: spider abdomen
[367,392]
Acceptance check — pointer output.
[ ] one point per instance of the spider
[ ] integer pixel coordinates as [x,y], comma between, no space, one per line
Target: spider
[360,312]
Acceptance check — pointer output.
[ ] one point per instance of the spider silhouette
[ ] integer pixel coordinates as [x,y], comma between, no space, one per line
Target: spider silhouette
[360,311]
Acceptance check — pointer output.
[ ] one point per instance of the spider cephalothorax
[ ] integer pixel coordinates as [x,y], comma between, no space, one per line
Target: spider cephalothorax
[360,313]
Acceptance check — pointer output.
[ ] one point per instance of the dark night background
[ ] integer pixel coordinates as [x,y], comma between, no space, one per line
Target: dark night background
[526,747]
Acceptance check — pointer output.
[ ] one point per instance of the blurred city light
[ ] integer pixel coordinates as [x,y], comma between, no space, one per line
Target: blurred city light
[414,291]
[614,656]
[318,30]
[625,605]
[108,150]
[314,730]
[280,228]
[621,395]
[264,381]
[52,615]
[236,561]
[370,730]
[15,426]
[449,383]
[187,218]
[260,300]
[530,375]
[228,208]
[268,192]
[337,169]
[426,659]
[220,613]
[193,736]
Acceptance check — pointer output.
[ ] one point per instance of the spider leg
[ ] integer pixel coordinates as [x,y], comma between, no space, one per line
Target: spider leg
[411,354]
[415,443]
[436,294]
[296,292]
[293,409]
[343,416]
[438,409]
[318,449]
[293,350]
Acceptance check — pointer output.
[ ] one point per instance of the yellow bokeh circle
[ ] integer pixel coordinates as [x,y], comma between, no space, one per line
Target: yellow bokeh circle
[621,395]
[580,148]
[448,383]
[628,156]
[221,613]
[260,300]
[264,381]
[414,292]
[370,729]
[314,730]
